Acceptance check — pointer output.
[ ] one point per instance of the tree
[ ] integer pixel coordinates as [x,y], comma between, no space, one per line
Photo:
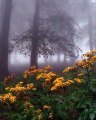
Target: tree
[89,13]
[35,37]
[52,30]
[85,7]
[2,2]
[4,38]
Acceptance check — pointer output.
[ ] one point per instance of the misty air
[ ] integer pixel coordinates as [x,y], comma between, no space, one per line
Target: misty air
[47,59]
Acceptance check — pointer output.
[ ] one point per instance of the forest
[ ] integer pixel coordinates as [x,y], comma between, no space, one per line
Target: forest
[47,60]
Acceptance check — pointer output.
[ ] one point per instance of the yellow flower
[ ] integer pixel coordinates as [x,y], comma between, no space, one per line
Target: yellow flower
[68,69]
[46,76]
[94,58]
[77,80]
[80,75]
[38,111]
[19,88]
[58,80]
[67,83]
[32,68]
[8,88]
[81,63]
[46,107]
[93,51]
[88,54]
[8,98]
[25,75]
[40,117]
[9,78]
[48,67]
[27,104]
[70,81]
[16,89]
[50,116]
[30,87]
[58,83]
[53,88]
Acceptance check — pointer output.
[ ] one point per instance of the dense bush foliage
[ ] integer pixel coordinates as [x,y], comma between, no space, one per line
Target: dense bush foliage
[41,94]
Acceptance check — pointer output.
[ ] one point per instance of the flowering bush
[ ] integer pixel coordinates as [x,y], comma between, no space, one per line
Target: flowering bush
[44,95]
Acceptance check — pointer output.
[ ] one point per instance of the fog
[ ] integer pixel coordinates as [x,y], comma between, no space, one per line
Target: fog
[61,29]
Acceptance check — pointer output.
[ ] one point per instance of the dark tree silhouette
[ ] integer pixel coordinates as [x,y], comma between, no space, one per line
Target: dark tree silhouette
[51,31]
[7,4]
[35,37]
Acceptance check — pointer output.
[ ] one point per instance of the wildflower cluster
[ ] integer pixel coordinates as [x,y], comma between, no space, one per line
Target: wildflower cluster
[88,62]
[47,77]
[19,88]
[46,107]
[38,113]
[28,105]
[60,83]
[7,98]
[9,78]
[33,71]
[42,94]
[52,81]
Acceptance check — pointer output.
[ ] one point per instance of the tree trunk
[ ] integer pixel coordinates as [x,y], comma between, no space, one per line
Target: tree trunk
[4,39]
[35,38]
[58,57]
[90,28]
[2,4]
[89,13]
[65,60]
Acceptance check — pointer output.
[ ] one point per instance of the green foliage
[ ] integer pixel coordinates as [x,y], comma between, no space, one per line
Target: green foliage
[32,98]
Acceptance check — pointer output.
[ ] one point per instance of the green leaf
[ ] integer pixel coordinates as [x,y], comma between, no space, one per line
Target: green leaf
[92,116]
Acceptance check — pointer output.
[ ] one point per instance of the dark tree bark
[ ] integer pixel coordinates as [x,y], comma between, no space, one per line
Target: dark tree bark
[35,38]
[2,3]
[4,39]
